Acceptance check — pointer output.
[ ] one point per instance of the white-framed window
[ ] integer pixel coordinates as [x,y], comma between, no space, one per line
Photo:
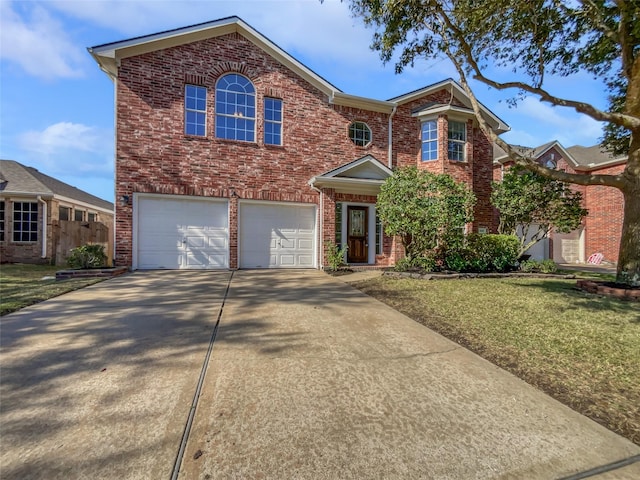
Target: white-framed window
[338,224]
[78,215]
[92,217]
[195,110]
[25,221]
[235,108]
[429,140]
[272,121]
[360,134]
[457,140]
[2,224]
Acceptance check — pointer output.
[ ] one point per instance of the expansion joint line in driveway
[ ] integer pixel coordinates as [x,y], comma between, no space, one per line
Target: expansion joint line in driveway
[196,396]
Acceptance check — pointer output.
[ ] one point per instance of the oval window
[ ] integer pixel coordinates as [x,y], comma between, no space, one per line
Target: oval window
[360,134]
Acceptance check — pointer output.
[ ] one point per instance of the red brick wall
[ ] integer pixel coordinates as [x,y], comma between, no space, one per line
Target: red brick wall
[603,225]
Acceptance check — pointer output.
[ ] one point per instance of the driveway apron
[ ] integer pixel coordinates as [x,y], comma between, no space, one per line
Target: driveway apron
[311,379]
[98,383]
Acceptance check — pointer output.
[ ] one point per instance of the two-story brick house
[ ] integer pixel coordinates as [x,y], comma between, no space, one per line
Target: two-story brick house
[230,153]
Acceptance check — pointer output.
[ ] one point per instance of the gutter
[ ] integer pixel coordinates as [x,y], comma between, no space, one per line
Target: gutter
[390,152]
[44,227]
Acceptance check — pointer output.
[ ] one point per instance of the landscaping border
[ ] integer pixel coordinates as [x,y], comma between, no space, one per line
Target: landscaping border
[90,272]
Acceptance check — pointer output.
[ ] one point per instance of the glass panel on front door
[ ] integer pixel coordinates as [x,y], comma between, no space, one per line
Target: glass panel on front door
[357,223]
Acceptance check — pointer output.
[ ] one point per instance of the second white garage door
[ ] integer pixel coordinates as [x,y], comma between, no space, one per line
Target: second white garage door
[277,235]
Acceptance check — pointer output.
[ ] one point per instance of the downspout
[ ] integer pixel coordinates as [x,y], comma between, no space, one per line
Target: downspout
[321,223]
[44,227]
[390,152]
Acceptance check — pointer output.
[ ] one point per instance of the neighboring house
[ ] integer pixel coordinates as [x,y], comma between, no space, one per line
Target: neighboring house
[230,153]
[42,218]
[602,228]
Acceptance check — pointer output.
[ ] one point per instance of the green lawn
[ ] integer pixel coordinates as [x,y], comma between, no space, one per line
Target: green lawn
[581,349]
[22,285]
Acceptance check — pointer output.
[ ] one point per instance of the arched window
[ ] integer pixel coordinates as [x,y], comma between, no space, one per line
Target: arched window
[235,108]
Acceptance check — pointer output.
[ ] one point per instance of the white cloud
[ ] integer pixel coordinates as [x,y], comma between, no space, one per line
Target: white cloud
[535,122]
[36,42]
[65,148]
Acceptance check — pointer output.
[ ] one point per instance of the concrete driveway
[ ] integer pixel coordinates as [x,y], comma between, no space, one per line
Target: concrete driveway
[307,378]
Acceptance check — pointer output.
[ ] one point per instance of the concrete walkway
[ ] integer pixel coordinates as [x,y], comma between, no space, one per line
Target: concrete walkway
[308,378]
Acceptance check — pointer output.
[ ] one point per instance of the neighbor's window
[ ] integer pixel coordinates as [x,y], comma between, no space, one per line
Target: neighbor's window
[92,217]
[63,213]
[2,221]
[195,110]
[457,140]
[360,134]
[78,215]
[25,222]
[429,140]
[272,121]
[235,108]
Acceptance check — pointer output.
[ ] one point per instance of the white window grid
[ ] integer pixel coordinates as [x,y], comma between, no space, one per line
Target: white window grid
[457,140]
[360,134]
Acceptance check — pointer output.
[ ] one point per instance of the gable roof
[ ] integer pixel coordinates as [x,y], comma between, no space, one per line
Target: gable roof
[363,175]
[19,179]
[590,158]
[458,92]
[109,55]
[580,158]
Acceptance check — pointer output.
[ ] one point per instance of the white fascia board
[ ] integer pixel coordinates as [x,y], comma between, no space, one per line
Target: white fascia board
[363,103]
[497,124]
[356,163]
[348,185]
[86,205]
[108,55]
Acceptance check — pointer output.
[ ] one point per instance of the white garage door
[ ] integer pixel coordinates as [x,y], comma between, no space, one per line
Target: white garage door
[182,233]
[277,236]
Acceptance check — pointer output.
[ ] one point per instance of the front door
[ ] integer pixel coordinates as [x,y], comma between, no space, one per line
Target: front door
[357,234]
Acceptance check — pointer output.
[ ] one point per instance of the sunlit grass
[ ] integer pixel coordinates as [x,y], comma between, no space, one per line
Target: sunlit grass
[22,285]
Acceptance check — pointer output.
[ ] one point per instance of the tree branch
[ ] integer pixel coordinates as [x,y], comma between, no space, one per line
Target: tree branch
[628,121]
[616,181]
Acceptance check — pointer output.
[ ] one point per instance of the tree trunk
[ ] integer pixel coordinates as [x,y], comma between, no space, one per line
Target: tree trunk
[629,256]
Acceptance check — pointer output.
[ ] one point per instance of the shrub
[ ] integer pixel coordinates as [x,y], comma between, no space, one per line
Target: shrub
[87,256]
[484,253]
[543,266]
[528,266]
[335,255]
[548,266]
[425,263]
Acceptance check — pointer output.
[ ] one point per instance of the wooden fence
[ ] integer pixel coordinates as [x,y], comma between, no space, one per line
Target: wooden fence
[69,234]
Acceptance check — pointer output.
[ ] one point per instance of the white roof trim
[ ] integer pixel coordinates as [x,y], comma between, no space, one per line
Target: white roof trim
[425,112]
[498,125]
[108,55]
[370,159]
[348,185]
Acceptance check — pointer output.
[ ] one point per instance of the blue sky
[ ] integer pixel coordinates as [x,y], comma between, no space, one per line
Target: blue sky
[56,106]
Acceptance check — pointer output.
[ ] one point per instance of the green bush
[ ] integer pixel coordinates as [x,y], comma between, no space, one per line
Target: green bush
[87,256]
[334,255]
[484,253]
[542,266]
[528,266]
[425,263]
[548,266]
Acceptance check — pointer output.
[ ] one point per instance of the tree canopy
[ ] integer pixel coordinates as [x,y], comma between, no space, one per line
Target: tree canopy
[532,204]
[529,41]
[426,210]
